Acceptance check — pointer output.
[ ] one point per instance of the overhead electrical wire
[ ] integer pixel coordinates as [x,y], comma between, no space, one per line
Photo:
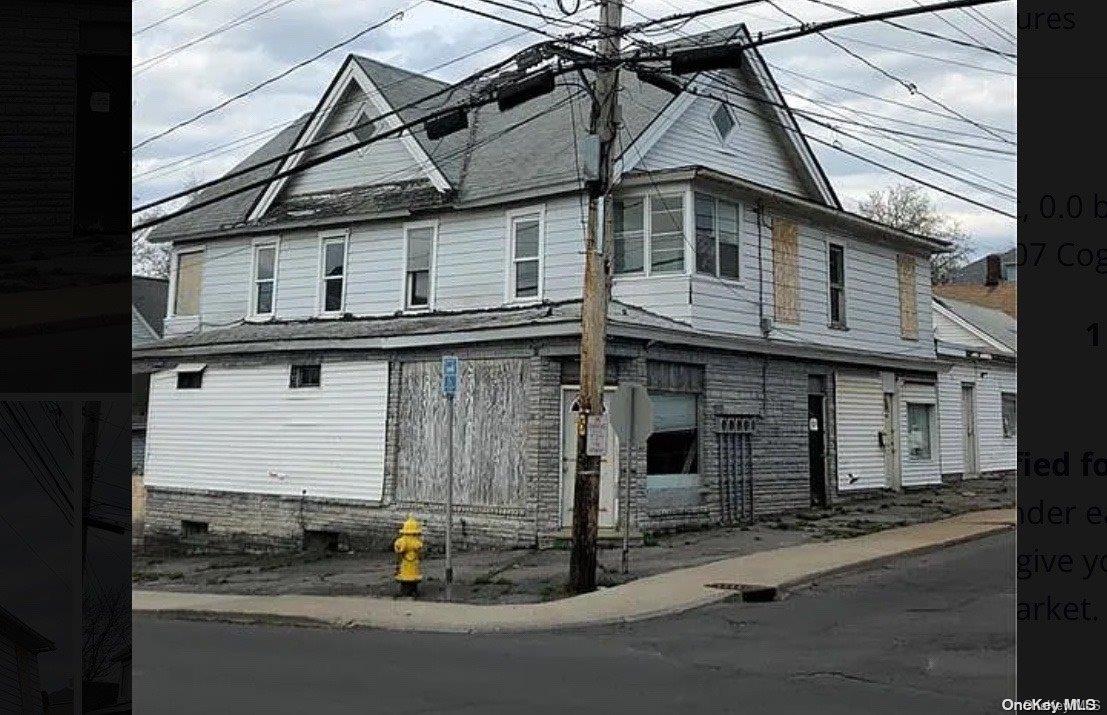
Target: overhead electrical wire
[265,83]
[251,14]
[167,18]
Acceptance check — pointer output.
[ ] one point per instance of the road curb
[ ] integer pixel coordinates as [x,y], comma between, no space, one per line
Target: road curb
[686,589]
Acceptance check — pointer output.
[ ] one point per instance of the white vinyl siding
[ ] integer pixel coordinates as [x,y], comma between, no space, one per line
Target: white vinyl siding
[914,470]
[384,161]
[994,451]
[753,149]
[246,430]
[859,416]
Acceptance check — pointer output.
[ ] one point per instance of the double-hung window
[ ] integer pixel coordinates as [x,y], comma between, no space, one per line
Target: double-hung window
[836,267]
[667,233]
[417,278]
[649,234]
[525,253]
[264,288]
[333,264]
[187,275]
[717,244]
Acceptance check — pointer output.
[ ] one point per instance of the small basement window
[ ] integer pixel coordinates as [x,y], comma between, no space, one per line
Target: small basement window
[190,380]
[191,529]
[306,376]
[723,120]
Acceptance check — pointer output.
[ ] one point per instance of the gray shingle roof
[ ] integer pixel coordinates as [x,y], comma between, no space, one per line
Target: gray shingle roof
[528,147]
[149,296]
[995,323]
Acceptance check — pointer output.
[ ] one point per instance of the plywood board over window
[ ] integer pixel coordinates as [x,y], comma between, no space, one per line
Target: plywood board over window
[908,297]
[489,434]
[786,271]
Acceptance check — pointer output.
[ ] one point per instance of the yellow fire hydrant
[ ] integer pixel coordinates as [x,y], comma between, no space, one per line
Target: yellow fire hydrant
[409,550]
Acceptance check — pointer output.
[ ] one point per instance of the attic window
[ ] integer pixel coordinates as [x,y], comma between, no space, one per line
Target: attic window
[362,126]
[723,120]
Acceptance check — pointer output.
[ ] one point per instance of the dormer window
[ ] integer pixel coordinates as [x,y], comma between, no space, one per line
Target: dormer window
[723,120]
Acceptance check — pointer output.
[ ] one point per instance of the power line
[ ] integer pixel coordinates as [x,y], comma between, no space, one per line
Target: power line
[923,55]
[167,18]
[42,445]
[274,78]
[257,10]
[909,86]
[989,24]
[34,451]
[440,65]
[33,550]
[21,455]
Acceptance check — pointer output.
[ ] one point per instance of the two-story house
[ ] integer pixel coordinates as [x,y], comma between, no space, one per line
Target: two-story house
[786,343]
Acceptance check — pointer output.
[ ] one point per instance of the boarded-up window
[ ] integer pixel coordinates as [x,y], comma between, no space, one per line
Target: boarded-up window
[490,425]
[189,270]
[908,298]
[786,271]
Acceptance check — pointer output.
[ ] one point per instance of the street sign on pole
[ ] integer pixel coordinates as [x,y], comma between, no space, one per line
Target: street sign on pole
[450,368]
[450,372]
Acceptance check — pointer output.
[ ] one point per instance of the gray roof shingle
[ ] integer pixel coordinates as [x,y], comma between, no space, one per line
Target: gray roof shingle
[995,323]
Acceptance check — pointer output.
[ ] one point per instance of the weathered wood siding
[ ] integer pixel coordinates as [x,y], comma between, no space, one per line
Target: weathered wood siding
[246,430]
[489,438]
[786,271]
[907,267]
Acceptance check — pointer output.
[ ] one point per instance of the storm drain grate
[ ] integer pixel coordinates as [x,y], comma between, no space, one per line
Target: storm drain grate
[750,593]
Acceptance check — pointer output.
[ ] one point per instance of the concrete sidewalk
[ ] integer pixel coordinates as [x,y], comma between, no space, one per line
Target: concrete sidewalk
[662,594]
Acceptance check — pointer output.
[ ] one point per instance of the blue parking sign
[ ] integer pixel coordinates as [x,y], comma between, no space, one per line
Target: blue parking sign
[450,368]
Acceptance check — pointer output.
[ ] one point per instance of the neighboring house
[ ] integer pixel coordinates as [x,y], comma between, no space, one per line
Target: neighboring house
[19,649]
[978,391]
[148,306]
[787,344]
[992,269]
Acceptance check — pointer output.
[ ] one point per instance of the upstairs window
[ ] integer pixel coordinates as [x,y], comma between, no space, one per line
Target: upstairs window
[525,270]
[667,233]
[334,274]
[265,279]
[417,278]
[629,234]
[836,259]
[723,121]
[717,245]
[186,296]
[306,376]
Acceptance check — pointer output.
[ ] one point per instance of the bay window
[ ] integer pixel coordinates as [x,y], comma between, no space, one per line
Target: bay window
[717,243]
[187,275]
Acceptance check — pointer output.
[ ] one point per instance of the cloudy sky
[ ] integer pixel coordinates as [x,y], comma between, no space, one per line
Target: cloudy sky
[964,96]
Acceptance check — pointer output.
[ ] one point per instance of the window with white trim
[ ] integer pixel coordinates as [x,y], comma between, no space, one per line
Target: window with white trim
[417,278]
[188,272]
[264,290]
[628,247]
[836,267]
[334,274]
[920,418]
[526,256]
[717,244]
[667,233]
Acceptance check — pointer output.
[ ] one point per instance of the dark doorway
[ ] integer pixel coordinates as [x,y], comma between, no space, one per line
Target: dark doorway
[816,449]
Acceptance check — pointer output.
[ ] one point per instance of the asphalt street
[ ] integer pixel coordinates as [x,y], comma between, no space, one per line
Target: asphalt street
[925,634]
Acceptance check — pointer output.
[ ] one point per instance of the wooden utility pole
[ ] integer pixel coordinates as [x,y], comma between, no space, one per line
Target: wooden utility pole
[593,311]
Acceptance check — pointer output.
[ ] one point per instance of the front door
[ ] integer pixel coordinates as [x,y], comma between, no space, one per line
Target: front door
[609,465]
[890,436]
[968,417]
[816,449]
